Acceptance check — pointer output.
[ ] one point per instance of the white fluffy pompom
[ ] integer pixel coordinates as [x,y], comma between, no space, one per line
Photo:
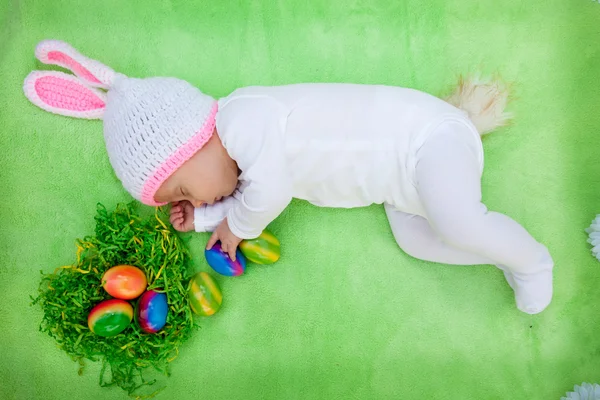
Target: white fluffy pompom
[594,236]
[484,101]
[586,391]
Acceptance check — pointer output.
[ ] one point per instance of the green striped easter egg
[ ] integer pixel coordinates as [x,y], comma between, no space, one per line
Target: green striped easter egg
[265,249]
[204,294]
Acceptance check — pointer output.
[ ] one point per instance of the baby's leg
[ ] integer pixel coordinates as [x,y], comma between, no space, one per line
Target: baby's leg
[416,238]
[448,181]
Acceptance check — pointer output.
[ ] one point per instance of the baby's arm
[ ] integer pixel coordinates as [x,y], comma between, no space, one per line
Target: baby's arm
[185,217]
[208,217]
[252,133]
[258,206]
[262,199]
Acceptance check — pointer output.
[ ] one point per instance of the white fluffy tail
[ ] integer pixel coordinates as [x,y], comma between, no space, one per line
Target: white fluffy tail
[484,101]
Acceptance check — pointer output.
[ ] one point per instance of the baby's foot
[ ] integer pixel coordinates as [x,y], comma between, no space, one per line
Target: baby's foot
[533,292]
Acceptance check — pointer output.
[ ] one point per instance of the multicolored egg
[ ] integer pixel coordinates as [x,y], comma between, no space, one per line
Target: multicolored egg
[151,311]
[110,317]
[124,282]
[265,249]
[220,261]
[204,294]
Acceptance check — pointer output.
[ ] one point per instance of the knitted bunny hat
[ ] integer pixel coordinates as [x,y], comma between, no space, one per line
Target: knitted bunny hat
[151,126]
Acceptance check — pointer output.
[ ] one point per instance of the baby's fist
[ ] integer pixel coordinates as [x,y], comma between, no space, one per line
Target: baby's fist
[182,216]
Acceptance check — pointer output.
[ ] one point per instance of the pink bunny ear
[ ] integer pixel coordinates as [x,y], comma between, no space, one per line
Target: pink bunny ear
[59,53]
[64,94]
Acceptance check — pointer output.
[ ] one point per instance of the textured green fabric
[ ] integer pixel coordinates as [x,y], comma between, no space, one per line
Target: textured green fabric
[344,314]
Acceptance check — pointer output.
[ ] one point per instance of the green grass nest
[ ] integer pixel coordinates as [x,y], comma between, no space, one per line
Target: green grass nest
[67,296]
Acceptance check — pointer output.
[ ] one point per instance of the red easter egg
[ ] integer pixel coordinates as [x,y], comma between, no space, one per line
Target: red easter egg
[124,282]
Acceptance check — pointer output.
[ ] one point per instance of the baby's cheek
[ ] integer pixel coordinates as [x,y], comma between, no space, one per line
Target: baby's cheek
[232,184]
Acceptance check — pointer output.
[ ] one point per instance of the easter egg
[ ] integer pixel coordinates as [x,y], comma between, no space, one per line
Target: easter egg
[124,282]
[265,249]
[204,294]
[220,261]
[110,317]
[151,311]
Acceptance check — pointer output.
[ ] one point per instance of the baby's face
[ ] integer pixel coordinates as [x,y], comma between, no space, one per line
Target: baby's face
[205,178]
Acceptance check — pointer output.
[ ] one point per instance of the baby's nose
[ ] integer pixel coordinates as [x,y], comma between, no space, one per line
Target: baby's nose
[197,203]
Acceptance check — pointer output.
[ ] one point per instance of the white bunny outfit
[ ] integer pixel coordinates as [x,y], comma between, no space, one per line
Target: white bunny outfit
[335,145]
[356,145]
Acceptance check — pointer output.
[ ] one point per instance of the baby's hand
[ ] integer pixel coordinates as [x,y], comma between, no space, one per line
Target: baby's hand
[182,216]
[229,242]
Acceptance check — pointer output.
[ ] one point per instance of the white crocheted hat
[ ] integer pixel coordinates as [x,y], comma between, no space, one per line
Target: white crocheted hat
[151,126]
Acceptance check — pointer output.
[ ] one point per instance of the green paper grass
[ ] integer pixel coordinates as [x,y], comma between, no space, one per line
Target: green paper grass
[67,296]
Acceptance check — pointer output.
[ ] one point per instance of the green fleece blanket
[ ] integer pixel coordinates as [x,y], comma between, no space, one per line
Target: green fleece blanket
[344,314]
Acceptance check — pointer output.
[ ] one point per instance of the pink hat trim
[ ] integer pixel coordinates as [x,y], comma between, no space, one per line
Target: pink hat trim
[176,160]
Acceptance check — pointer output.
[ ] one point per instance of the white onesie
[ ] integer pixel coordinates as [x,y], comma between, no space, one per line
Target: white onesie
[334,145]
[344,145]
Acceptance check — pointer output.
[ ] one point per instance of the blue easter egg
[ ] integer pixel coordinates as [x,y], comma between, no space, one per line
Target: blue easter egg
[151,311]
[222,263]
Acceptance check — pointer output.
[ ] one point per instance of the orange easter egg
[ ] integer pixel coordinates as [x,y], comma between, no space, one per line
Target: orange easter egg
[124,282]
